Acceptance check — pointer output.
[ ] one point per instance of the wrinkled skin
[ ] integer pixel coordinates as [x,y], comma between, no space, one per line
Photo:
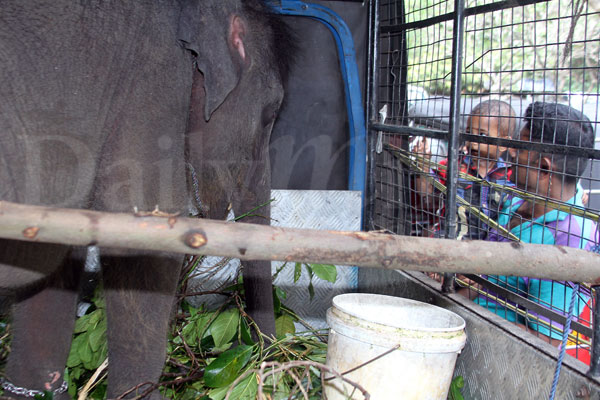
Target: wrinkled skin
[96,100]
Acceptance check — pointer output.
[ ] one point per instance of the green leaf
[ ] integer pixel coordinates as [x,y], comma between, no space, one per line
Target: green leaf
[82,324]
[280,293]
[98,336]
[222,348]
[326,272]
[95,317]
[309,270]
[276,302]
[103,353]
[98,299]
[99,392]
[284,324]
[297,272]
[226,367]
[74,359]
[203,321]
[87,356]
[46,396]
[218,393]
[223,329]
[455,386]
[246,389]
[190,333]
[245,332]
[311,290]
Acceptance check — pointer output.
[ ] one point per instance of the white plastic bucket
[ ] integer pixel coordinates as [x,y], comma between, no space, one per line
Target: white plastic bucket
[364,326]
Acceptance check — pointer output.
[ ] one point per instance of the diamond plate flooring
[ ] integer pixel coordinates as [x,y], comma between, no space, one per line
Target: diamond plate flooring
[315,209]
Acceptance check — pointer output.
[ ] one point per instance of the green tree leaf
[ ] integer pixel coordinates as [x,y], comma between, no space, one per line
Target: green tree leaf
[311,290]
[297,272]
[190,333]
[326,272]
[74,359]
[218,393]
[276,301]
[95,317]
[222,348]
[455,388]
[98,336]
[203,322]
[82,324]
[246,389]
[245,332]
[280,293]
[46,396]
[226,367]
[85,353]
[225,326]
[284,324]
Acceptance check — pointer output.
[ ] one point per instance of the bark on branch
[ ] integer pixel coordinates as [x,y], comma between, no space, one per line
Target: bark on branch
[258,242]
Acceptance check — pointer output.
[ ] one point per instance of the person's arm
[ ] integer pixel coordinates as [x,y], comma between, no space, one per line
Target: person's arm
[423,184]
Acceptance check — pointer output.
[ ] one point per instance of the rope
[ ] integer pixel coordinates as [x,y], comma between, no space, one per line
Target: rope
[563,346]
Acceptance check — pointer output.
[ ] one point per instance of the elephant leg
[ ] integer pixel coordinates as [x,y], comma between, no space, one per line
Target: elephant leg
[139,291]
[42,326]
[258,282]
[259,294]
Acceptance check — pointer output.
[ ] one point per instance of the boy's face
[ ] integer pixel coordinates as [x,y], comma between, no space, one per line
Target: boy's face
[484,126]
[525,165]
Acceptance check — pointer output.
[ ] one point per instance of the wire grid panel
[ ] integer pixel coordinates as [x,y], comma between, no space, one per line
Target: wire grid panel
[315,209]
[513,184]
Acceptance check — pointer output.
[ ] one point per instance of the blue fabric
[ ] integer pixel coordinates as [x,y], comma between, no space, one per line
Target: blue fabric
[554,228]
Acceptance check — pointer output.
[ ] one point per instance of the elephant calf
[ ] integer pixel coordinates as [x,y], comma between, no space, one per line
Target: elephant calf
[103,104]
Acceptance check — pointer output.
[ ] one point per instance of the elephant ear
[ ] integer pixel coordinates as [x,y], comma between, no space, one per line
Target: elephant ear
[215,35]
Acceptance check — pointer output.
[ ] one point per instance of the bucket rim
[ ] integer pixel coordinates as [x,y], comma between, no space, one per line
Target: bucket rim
[338,302]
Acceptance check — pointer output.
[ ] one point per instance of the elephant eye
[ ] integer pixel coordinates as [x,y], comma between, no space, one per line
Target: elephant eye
[269,114]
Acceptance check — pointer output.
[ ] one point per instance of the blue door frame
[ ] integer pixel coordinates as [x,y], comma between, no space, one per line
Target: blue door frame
[349,69]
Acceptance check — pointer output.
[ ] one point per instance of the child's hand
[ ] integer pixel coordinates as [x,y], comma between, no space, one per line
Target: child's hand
[585,198]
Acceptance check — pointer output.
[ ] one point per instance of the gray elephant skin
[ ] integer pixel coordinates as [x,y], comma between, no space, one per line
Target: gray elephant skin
[102,105]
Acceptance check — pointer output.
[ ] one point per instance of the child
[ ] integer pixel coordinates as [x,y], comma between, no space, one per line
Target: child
[492,118]
[553,176]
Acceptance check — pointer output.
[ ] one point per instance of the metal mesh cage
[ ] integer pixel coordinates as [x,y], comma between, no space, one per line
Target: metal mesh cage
[518,85]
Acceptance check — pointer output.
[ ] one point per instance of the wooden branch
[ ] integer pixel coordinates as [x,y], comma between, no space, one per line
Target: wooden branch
[259,242]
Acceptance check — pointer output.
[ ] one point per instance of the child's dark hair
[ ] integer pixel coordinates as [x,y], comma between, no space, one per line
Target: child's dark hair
[502,112]
[561,125]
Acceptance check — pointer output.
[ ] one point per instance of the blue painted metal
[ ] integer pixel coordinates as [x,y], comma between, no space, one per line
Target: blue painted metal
[354,104]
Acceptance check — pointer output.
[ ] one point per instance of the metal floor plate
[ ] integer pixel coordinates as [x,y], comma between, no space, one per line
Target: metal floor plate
[315,209]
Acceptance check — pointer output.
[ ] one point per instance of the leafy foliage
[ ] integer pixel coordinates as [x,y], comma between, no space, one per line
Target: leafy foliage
[89,348]
[207,352]
[207,358]
[326,272]
[537,41]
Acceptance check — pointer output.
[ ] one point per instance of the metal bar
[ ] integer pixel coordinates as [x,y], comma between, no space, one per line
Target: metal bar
[372,81]
[517,144]
[407,130]
[349,69]
[403,45]
[400,211]
[594,370]
[496,6]
[454,140]
[530,305]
